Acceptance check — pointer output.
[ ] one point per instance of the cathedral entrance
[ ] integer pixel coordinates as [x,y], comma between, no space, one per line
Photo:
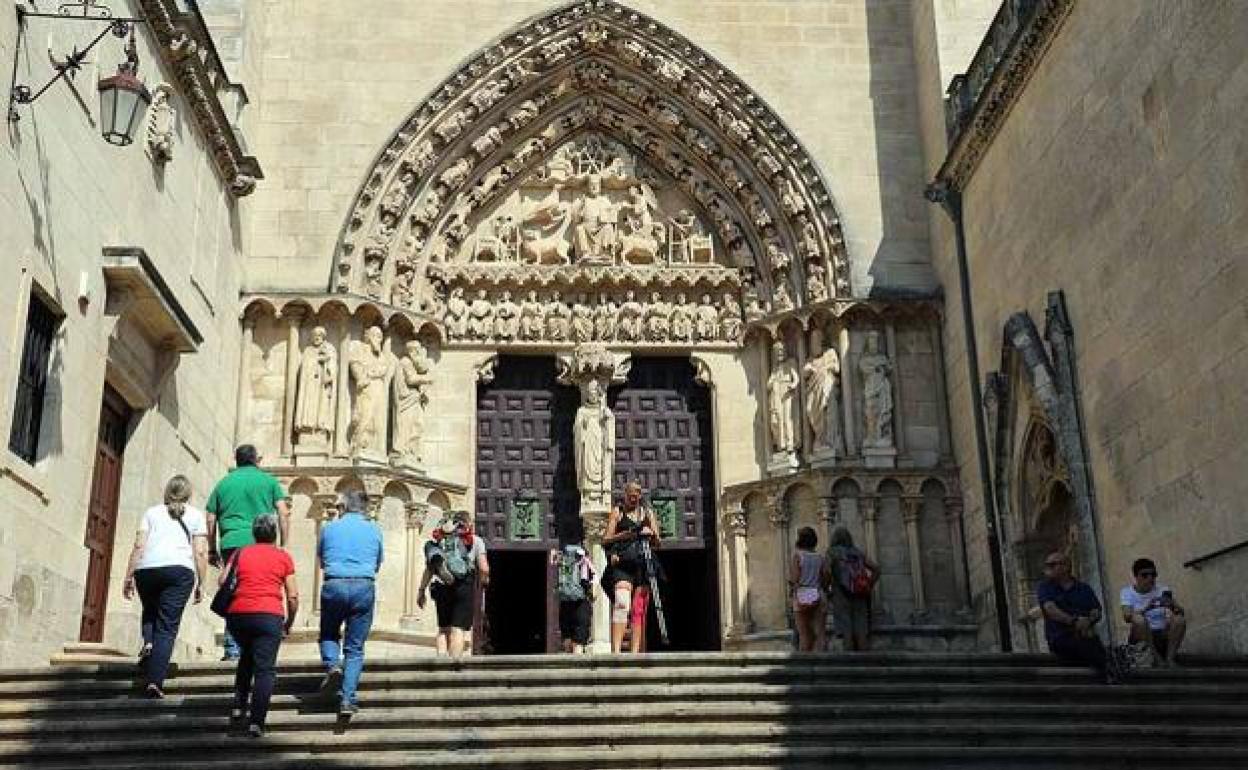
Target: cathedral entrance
[527,501]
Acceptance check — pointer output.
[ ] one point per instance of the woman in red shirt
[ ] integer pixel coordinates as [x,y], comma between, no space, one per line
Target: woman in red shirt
[258,619]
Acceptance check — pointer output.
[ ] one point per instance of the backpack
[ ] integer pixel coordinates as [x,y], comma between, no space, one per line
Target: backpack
[568,587]
[456,555]
[852,573]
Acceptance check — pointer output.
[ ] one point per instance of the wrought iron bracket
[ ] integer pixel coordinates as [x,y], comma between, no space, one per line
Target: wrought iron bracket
[68,66]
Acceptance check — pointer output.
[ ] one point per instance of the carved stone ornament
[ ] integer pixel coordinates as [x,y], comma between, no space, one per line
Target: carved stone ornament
[161,124]
[877,394]
[592,150]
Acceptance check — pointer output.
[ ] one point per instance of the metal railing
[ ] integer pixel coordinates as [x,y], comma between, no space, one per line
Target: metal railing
[1199,560]
[964,90]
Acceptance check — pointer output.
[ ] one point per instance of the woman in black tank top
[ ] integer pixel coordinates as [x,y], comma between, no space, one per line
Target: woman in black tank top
[625,564]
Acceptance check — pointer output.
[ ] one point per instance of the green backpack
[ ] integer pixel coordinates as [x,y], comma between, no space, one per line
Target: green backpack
[568,587]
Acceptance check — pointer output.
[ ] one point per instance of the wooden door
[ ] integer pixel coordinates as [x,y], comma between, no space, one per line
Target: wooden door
[102,512]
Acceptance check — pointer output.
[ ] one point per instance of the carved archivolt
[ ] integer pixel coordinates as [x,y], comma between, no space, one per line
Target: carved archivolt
[592,151]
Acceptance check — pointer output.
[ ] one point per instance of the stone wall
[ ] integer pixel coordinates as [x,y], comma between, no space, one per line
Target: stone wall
[338,80]
[65,196]
[1118,179]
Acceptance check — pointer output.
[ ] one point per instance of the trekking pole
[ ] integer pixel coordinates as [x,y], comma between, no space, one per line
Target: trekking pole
[654,587]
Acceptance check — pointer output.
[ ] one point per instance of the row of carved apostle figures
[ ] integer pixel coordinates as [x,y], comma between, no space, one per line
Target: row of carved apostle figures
[611,318]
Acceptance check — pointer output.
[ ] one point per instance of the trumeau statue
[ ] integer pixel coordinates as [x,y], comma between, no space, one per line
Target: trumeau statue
[820,382]
[782,385]
[594,436]
[314,407]
[877,394]
[372,368]
[410,398]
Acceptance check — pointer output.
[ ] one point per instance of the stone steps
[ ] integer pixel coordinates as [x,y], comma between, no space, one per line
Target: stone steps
[650,711]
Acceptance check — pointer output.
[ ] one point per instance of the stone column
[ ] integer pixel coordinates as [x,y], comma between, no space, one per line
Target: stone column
[294,317]
[912,508]
[899,421]
[778,515]
[805,438]
[828,515]
[242,411]
[736,525]
[324,509]
[415,513]
[594,526]
[342,414]
[942,402]
[849,426]
[869,509]
[953,519]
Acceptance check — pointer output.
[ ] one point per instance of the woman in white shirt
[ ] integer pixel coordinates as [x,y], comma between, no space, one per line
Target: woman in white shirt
[167,564]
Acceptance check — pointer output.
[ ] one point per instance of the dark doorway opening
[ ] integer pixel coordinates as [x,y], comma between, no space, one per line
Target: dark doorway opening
[690,604]
[516,602]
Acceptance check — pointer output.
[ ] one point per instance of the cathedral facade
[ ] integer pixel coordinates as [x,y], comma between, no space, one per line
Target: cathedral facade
[504,257]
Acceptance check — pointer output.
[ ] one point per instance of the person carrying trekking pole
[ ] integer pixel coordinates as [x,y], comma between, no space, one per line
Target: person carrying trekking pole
[627,527]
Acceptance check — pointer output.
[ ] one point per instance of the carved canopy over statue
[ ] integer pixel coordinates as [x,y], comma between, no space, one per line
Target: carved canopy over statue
[590,139]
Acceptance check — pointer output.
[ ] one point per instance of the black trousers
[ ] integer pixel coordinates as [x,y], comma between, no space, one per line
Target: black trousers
[163,591]
[1086,651]
[259,635]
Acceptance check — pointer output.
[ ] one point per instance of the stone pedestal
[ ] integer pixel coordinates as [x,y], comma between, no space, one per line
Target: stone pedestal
[880,457]
[782,463]
[823,457]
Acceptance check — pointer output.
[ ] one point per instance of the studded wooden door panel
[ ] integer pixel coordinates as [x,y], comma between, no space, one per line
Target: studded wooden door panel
[526,482]
[663,439]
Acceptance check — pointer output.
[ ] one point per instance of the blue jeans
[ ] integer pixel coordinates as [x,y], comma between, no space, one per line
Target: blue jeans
[346,601]
[259,636]
[164,592]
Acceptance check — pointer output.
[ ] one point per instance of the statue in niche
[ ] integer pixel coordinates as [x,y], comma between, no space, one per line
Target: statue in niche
[594,436]
[781,299]
[314,407]
[816,282]
[754,306]
[657,324]
[877,395]
[480,316]
[410,398]
[631,312]
[681,320]
[557,317]
[731,320]
[582,326]
[706,322]
[457,314]
[604,318]
[820,380]
[532,320]
[506,319]
[778,258]
[402,293]
[374,265]
[781,386]
[371,368]
[455,174]
[642,237]
[595,215]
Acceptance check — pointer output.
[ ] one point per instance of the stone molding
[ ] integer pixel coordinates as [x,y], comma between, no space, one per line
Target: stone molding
[824,480]
[1011,72]
[186,48]
[591,67]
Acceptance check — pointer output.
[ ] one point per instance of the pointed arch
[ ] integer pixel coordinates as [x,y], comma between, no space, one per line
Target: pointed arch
[593,68]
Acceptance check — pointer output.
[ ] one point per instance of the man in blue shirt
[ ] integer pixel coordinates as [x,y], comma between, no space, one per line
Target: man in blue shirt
[1071,612]
[350,554]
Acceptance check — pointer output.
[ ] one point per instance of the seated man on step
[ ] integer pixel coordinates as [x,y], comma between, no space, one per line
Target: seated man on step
[1071,612]
[1156,619]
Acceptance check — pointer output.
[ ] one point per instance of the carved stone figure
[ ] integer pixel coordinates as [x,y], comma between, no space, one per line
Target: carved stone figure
[781,298]
[506,319]
[604,318]
[457,314]
[877,394]
[595,216]
[820,381]
[681,320]
[730,318]
[557,315]
[480,316]
[706,321]
[410,398]
[816,282]
[657,324]
[631,312]
[532,322]
[371,370]
[582,320]
[162,120]
[374,264]
[488,142]
[522,114]
[594,436]
[455,175]
[314,407]
[781,386]
[453,126]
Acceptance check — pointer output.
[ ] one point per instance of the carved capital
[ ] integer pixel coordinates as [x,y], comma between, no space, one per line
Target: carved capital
[828,509]
[324,507]
[415,513]
[374,506]
[592,361]
[911,509]
[487,369]
[869,506]
[953,508]
[594,524]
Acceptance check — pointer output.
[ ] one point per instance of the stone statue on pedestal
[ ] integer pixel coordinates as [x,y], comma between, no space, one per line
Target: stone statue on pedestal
[372,368]
[594,437]
[314,407]
[781,387]
[877,394]
[820,380]
[410,398]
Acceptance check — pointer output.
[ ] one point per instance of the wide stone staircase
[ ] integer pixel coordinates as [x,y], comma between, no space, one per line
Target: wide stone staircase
[720,710]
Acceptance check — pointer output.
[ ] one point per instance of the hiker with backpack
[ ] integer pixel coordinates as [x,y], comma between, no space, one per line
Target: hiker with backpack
[627,527]
[809,577]
[574,588]
[456,564]
[167,565]
[854,577]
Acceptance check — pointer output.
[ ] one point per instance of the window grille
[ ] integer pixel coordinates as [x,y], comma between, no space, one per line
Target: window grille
[32,378]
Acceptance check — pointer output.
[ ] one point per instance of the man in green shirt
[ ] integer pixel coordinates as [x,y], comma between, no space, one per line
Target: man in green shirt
[236,501]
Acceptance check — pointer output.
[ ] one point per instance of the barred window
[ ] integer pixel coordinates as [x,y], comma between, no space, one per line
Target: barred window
[32,378]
